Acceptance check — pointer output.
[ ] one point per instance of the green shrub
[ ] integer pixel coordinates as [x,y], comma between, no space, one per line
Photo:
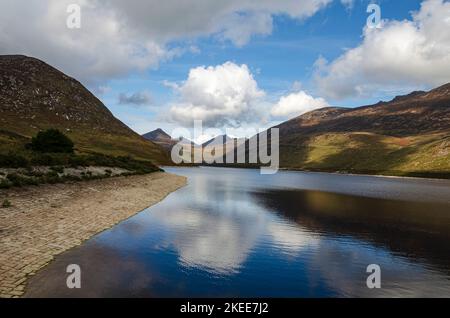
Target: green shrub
[6,203]
[72,178]
[51,141]
[34,173]
[17,180]
[58,161]
[52,177]
[76,161]
[48,159]
[5,184]
[13,161]
[58,169]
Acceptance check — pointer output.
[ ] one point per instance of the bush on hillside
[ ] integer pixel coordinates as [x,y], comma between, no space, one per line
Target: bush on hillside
[13,161]
[51,141]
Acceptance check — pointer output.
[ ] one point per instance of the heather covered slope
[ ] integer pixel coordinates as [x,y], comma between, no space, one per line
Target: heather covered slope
[35,96]
[409,135]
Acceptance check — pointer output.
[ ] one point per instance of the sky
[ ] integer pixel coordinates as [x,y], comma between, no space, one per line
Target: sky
[230,63]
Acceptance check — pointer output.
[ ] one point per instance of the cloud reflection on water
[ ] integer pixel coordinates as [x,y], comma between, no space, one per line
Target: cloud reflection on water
[235,235]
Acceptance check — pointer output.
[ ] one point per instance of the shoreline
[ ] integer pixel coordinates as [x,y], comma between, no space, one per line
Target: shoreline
[47,220]
[367,175]
[392,176]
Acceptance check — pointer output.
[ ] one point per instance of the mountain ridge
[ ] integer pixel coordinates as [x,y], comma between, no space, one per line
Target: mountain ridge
[426,111]
[409,135]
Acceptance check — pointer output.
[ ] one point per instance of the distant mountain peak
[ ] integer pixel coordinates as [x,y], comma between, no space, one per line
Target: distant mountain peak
[159,130]
[163,139]
[157,135]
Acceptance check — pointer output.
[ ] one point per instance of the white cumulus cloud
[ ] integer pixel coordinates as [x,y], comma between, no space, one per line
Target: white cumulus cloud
[227,95]
[118,37]
[398,55]
[296,104]
[219,95]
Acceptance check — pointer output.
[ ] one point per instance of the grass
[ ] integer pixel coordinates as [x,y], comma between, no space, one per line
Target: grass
[53,177]
[57,161]
[420,156]
[25,175]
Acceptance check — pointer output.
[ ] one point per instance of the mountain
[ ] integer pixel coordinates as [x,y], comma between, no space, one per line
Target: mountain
[416,113]
[409,135]
[35,96]
[157,135]
[160,137]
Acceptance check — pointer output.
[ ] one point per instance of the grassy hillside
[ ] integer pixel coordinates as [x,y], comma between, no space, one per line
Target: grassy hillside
[362,152]
[35,96]
[85,143]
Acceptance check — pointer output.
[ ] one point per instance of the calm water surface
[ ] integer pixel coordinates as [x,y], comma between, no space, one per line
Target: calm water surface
[234,232]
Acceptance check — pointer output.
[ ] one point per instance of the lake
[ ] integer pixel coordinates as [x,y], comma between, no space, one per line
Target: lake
[234,232]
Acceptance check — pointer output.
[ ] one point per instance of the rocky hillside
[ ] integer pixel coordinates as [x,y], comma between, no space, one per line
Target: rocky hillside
[35,96]
[409,135]
[416,113]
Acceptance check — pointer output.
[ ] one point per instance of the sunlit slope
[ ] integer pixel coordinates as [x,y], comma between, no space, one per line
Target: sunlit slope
[363,152]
